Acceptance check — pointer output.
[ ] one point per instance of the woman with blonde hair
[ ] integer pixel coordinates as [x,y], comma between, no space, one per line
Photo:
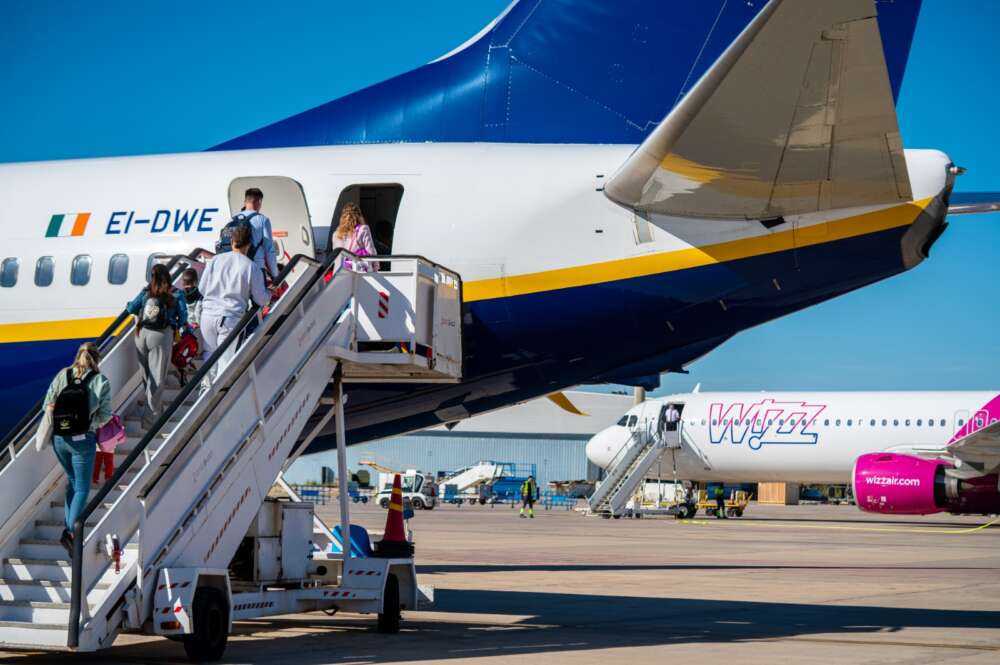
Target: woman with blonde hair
[79,400]
[353,233]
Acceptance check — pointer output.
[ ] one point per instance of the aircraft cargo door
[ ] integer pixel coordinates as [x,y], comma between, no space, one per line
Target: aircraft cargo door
[285,204]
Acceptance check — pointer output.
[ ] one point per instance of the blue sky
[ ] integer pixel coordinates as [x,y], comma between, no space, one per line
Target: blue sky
[113,78]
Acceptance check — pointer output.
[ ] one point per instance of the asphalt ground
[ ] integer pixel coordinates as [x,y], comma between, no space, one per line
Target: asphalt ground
[798,584]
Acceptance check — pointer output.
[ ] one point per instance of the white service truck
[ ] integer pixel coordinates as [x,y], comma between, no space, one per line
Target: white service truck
[419,489]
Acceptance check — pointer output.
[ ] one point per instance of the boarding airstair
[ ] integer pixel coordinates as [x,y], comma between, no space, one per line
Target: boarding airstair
[186,491]
[647,443]
[466,482]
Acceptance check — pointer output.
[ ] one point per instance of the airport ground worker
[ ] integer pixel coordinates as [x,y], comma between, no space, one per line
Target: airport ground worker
[529,493]
[229,283]
[77,403]
[160,311]
[720,502]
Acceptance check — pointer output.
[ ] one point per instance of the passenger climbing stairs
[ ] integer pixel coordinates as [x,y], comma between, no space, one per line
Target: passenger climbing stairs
[186,491]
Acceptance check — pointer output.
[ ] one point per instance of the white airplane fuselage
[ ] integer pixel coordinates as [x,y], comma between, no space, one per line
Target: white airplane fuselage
[561,286]
[797,436]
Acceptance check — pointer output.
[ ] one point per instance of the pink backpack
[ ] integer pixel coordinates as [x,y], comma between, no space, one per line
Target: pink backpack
[111,435]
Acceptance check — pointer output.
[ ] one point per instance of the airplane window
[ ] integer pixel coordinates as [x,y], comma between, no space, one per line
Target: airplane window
[979,422]
[781,421]
[79,274]
[632,420]
[118,269]
[960,422]
[919,422]
[826,422]
[44,270]
[849,422]
[942,422]
[623,422]
[930,422]
[770,421]
[872,423]
[884,422]
[8,272]
[702,422]
[715,422]
[152,261]
[895,423]
[838,422]
[907,422]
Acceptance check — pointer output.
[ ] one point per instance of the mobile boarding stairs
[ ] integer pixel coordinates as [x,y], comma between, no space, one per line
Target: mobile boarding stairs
[648,441]
[154,549]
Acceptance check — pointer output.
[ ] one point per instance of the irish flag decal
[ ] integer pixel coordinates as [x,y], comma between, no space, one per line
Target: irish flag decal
[69,224]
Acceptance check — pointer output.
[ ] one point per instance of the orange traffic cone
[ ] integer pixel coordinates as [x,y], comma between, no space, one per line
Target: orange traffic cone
[394,543]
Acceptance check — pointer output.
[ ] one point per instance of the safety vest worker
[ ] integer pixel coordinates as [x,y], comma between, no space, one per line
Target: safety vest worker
[529,492]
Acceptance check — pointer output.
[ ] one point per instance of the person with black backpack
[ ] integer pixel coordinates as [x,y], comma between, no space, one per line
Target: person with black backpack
[160,310]
[261,251]
[79,400]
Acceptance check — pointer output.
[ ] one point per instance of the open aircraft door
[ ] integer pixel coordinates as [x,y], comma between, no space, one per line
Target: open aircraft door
[285,204]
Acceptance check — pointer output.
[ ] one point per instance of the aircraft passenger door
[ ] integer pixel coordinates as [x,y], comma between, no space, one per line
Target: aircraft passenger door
[285,204]
[669,426]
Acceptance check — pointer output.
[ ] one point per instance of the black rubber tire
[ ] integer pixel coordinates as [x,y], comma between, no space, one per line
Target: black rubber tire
[482,501]
[211,626]
[391,615]
[384,503]
[364,499]
[417,504]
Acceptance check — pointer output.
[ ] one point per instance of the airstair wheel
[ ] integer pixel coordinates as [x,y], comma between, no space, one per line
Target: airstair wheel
[391,615]
[211,626]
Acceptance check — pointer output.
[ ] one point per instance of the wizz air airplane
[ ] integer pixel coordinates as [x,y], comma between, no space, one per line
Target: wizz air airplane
[904,452]
[622,187]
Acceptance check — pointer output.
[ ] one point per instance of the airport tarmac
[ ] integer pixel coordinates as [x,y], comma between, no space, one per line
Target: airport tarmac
[802,584]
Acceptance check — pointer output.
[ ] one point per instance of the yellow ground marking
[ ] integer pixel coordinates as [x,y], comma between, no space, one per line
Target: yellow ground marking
[837,527]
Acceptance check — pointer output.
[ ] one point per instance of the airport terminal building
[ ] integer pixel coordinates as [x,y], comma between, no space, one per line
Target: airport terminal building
[537,432]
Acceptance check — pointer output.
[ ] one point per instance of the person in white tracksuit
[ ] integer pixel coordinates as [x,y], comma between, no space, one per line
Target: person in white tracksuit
[228,284]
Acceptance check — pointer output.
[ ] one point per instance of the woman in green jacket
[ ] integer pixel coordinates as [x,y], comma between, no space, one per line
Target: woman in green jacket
[76,449]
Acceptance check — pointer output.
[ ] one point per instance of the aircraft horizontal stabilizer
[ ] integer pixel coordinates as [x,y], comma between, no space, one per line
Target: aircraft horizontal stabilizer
[796,116]
[979,451]
[970,203]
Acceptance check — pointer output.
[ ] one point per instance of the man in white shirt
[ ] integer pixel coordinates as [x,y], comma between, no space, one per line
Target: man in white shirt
[265,256]
[228,284]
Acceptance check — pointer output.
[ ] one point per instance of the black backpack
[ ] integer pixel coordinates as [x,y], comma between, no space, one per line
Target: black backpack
[153,315]
[225,243]
[72,411]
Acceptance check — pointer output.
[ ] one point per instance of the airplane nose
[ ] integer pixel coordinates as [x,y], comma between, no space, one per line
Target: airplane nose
[601,448]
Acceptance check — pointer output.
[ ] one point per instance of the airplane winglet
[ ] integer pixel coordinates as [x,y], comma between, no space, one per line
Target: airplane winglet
[564,403]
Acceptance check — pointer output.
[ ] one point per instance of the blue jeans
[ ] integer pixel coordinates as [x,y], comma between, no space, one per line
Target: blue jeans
[77,460]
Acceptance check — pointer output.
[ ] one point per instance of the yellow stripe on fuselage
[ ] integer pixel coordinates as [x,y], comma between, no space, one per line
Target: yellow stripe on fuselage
[53,330]
[654,264]
[595,273]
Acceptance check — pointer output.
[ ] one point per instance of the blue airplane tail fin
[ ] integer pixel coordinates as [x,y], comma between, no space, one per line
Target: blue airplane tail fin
[554,71]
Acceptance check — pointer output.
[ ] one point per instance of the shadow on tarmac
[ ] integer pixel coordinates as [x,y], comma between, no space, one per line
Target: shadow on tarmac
[437,569]
[559,622]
